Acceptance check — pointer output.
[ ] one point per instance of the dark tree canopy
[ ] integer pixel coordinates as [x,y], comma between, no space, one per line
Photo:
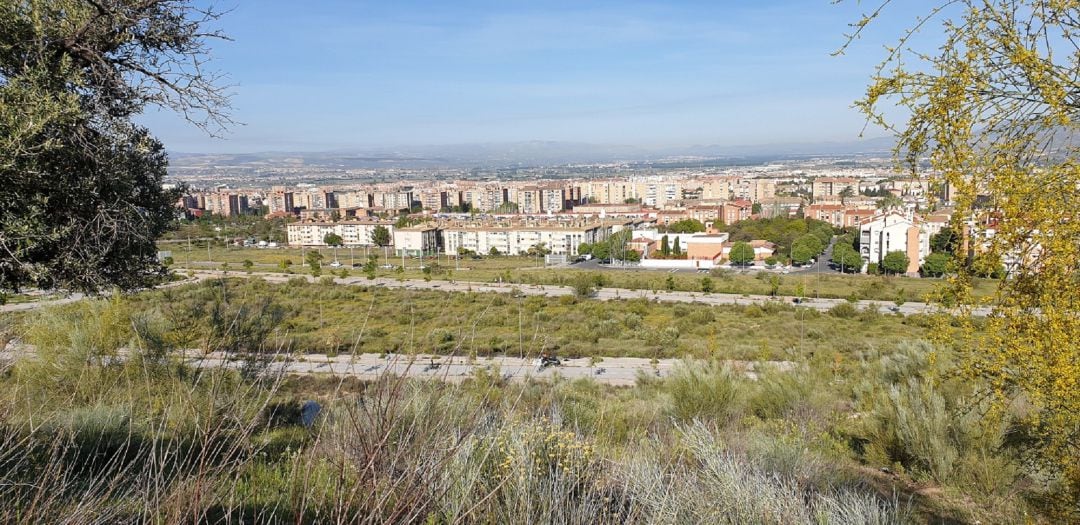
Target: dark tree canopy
[805,248]
[895,262]
[936,264]
[945,241]
[741,253]
[333,239]
[846,257]
[380,236]
[82,184]
[686,226]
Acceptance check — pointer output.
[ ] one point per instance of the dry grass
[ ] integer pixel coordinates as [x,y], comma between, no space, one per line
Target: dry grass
[101,425]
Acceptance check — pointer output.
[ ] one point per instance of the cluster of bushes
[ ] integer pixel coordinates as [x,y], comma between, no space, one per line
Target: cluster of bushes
[799,239]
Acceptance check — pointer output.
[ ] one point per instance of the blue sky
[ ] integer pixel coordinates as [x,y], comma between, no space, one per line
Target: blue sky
[334,74]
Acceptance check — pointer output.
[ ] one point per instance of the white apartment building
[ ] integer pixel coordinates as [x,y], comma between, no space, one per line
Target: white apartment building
[517,240]
[417,240]
[893,232]
[353,233]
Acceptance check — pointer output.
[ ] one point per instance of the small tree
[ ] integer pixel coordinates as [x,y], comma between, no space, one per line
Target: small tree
[805,248]
[371,267]
[669,283]
[665,246]
[333,239]
[380,236]
[314,261]
[774,285]
[846,258]
[494,252]
[676,248]
[285,264]
[741,254]
[935,265]
[601,251]
[248,265]
[945,241]
[537,250]
[584,248]
[895,262]
[583,285]
[846,193]
[686,226]
[706,285]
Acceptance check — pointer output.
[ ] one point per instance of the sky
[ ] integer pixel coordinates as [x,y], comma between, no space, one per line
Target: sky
[329,74]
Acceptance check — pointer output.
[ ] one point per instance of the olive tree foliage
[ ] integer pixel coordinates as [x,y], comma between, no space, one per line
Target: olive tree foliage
[992,109]
[83,200]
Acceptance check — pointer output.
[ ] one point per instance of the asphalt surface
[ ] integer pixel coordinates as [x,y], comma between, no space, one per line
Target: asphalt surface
[615,371]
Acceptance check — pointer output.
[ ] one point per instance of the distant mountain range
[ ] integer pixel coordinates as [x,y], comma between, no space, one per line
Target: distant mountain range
[529,153]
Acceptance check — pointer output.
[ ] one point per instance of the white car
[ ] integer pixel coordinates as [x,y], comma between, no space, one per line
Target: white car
[335,264]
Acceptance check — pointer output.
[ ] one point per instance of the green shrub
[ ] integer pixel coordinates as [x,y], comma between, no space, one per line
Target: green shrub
[704,392]
[844,311]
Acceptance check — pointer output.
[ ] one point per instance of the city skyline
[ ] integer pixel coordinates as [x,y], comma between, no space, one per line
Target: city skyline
[349,75]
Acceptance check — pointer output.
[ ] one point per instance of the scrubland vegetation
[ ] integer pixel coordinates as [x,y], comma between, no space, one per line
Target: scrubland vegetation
[328,318]
[101,423]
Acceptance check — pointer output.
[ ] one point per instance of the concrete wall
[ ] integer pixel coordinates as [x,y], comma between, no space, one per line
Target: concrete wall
[680,264]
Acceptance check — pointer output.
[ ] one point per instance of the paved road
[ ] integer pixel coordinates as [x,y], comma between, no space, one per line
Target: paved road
[822,263]
[604,294]
[616,371]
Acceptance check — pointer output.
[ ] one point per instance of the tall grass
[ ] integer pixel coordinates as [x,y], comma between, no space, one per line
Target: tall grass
[102,424]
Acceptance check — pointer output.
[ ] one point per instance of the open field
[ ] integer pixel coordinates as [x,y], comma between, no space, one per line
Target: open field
[804,442]
[527,270]
[331,318]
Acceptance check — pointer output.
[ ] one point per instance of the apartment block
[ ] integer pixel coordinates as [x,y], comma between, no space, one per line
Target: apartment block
[414,241]
[226,204]
[735,211]
[353,233]
[280,202]
[829,188]
[517,239]
[893,232]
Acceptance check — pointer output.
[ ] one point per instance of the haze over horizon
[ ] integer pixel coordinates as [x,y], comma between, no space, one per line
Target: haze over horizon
[337,75]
